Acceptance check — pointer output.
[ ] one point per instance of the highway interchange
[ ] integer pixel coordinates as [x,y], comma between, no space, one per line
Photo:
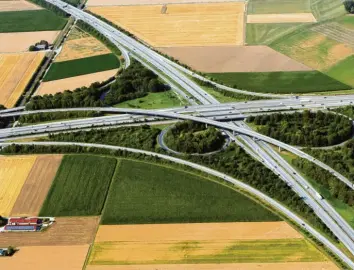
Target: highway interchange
[211,112]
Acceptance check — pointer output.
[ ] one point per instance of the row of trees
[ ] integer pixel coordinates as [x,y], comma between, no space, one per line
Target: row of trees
[136,81]
[51,7]
[305,128]
[337,189]
[347,110]
[192,137]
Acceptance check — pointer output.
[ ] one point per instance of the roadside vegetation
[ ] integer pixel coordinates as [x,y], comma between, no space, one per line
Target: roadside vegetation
[173,196]
[77,67]
[192,137]
[304,128]
[3,121]
[280,82]
[347,110]
[80,186]
[30,20]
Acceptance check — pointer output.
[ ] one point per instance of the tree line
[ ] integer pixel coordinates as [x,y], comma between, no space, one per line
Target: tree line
[3,121]
[134,82]
[305,128]
[192,137]
[51,7]
[347,110]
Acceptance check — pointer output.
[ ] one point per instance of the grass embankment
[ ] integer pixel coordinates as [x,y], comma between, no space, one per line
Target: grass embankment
[343,71]
[146,193]
[278,6]
[72,68]
[160,100]
[347,21]
[30,20]
[280,82]
[80,186]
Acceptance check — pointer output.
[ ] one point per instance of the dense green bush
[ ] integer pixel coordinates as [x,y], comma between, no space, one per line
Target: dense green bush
[44,117]
[192,137]
[347,110]
[305,128]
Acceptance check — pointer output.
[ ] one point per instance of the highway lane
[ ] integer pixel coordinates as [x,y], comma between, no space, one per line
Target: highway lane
[279,207]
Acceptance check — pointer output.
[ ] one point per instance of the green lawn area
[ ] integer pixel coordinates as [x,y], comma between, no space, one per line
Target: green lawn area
[266,33]
[72,68]
[147,193]
[158,100]
[30,20]
[80,186]
[278,6]
[347,21]
[343,71]
[280,82]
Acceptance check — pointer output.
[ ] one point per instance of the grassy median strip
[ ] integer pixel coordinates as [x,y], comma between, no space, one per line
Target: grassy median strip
[72,68]
[80,186]
[146,193]
[30,20]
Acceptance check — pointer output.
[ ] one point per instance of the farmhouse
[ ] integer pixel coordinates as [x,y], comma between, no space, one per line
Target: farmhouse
[24,224]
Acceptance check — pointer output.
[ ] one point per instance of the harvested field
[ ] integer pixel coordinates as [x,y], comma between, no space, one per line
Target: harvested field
[201,243]
[148,2]
[16,71]
[47,257]
[281,18]
[20,42]
[234,59]
[13,173]
[65,231]
[35,189]
[182,25]
[224,266]
[17,5]
[72,83]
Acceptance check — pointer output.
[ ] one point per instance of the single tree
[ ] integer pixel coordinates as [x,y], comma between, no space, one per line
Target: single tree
[349,6]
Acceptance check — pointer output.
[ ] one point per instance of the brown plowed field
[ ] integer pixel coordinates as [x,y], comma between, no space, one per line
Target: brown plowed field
[234,59]
[223,266]
[182,24]
[65,231]
[16,70]
[20,42]
[281,18]
[72,83]
[148,2]
[47,257]
[36,187]
[17,5]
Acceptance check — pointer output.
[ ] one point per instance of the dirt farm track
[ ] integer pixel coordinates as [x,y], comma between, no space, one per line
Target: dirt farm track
[148,2]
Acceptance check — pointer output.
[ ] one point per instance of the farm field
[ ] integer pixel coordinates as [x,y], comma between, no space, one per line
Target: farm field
[347,21]
[234,59]
[80,45]
[313,49]
[36,186]
[201,243]
[278,6]
[72,83]
[182,24]
[171,196]
[146,2]
[167,99]
[224,266]
[16,71]
[20,42]
[80,186]
[72,68]
[327,9]
[13,173]
[280,82]
[281,18]
[343,71]
[28,258]
[41,20]
[65,231]
[17,5]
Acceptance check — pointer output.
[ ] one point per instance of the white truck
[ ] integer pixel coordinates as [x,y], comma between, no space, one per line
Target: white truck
[318,195]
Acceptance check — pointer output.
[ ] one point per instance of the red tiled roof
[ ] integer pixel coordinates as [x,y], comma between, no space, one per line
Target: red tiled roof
[23,220]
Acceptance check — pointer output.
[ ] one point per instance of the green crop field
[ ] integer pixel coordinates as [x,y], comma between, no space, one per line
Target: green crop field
[347,21]
[80,186]
[158,100]
[280,82]
[327,9]
[72,68]
[30,20]
[147,193]
[278,6]
[266,33]
[343,71]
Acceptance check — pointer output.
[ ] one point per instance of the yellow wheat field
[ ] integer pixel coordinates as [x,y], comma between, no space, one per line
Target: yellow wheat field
[81,45]
[181,24]
[16,70]
[13,174]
